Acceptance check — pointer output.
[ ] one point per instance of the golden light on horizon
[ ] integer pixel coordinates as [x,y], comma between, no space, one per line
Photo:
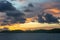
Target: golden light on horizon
[30,26]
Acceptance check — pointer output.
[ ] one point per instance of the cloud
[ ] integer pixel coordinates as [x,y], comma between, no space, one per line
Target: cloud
[13,15]
[6,6]
[17,15]
[20,4]
[50,18]
[12,11]
[56,0]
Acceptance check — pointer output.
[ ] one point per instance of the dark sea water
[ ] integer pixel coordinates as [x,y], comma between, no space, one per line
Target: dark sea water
[29,36]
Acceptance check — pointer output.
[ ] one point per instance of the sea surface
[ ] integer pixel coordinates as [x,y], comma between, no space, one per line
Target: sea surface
[29,36]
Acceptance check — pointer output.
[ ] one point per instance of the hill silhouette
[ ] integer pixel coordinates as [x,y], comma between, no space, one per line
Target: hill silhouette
[35,31]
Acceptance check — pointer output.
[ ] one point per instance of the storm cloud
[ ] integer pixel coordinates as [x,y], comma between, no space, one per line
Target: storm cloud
[10,13]
[6,6]
[16,15]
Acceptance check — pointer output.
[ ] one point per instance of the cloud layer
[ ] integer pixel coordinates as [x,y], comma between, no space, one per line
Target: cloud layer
[13,12]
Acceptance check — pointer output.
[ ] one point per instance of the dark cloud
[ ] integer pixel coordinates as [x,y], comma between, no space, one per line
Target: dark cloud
[40,19]
[6,6]
[13,15]
[30,5]
[17,15]
[49,18]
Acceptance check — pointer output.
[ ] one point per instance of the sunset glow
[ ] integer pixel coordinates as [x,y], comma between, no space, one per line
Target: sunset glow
[29,15]
[30,26]
[54,10]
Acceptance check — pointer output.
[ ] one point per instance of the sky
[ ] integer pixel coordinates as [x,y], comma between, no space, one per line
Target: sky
[20,4]
[39,5]
[16,12]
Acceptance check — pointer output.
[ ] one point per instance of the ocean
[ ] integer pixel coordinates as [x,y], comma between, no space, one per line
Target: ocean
[29,36]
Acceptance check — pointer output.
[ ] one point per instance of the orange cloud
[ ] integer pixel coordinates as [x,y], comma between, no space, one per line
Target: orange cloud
[54,11]
[28,20]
